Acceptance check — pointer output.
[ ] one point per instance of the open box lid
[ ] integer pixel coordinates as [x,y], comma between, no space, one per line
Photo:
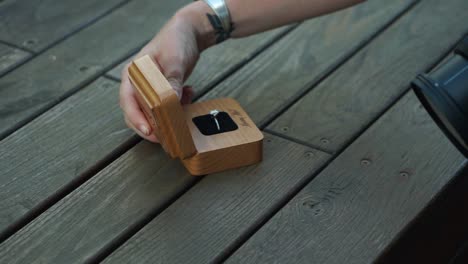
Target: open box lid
[162,108]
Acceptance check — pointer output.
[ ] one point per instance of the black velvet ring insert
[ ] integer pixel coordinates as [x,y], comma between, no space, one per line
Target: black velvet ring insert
[207,124]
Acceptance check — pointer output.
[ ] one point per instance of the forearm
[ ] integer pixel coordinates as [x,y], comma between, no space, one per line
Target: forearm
[250,17]
[253,16]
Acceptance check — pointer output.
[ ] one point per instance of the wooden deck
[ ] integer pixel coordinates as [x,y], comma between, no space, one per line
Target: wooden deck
[352,162]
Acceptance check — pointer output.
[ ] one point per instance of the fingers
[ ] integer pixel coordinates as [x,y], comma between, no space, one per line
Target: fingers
[134,117]
[151,137]
[173,68]
[187,95]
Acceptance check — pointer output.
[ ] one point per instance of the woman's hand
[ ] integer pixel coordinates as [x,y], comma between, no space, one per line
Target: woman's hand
[178,45]
[176,49]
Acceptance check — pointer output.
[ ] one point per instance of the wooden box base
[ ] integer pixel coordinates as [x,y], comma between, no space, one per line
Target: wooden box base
[230,140]
[227,150]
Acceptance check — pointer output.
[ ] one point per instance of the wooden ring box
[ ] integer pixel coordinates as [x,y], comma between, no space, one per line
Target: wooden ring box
[201,150]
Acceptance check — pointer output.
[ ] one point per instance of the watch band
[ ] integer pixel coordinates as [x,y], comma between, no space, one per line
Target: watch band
[221,10]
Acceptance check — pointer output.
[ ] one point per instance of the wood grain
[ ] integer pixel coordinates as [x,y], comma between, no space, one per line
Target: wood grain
[98,238]
[57,148]
[10,57]
[438,231]
[70,80]
[32,88]
[46,147]
[308,54]
[345,103]
[135,186]
[47,155]
[131,189]
[36,25]
[225,58]
[214,214]
[80,225]
[365,198]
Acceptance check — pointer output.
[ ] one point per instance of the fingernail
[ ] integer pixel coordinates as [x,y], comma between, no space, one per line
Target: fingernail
[144,130]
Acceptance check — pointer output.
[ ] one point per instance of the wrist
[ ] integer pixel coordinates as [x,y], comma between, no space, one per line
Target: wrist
[196,15]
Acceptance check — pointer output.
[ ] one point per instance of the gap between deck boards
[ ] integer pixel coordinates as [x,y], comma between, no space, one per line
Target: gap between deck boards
[130,143]
[360,132]
[34,54]
[308,88]
[234,68]
[333,69]
[68,188]
[116,244]
[11,45]
[263,126]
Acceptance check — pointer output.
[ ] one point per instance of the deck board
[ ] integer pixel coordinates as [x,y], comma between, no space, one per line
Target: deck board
[355,208]
[212,245]
[39,127]
[65,179]
[74,114]
[225,58]
[71,114]
[283,72]
[35,25]
[437,233]
[214,214]
[9,57]
[78,186]
[58,148]
[313,50]
[32,88]
[134,187]
[344,104]
[86,221]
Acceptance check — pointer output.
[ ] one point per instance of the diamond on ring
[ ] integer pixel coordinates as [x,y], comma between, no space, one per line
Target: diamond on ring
[214,113]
